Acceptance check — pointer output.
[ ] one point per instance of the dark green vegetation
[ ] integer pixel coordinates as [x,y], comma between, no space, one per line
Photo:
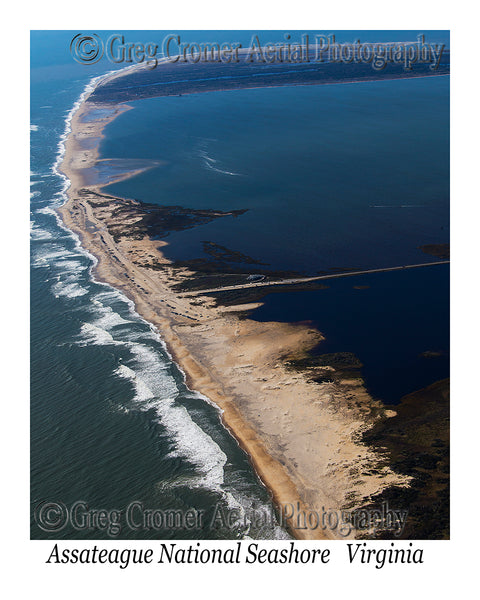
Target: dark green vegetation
[438,250]
[176,79]
[221,254]
[416,443]
[150,219]
[341,365]
[221,266]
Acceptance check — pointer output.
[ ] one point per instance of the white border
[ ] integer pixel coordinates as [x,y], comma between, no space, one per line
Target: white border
[449,565]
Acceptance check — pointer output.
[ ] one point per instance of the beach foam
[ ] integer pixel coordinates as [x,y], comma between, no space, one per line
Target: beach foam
[157,384]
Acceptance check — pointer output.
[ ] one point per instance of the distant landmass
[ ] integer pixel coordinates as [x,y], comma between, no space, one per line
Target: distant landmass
[175,79]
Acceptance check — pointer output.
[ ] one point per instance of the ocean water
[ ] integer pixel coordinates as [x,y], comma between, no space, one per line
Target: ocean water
[112,420]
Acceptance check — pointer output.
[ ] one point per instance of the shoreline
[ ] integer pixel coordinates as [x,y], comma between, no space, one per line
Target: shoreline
[302,437]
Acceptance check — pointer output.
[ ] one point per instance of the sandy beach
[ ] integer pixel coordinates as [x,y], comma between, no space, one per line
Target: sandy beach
[303,437]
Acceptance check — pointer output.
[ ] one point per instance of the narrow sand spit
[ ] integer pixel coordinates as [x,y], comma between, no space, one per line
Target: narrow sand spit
[303,437]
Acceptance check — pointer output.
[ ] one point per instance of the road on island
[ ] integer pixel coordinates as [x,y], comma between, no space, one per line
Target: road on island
[299,280]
